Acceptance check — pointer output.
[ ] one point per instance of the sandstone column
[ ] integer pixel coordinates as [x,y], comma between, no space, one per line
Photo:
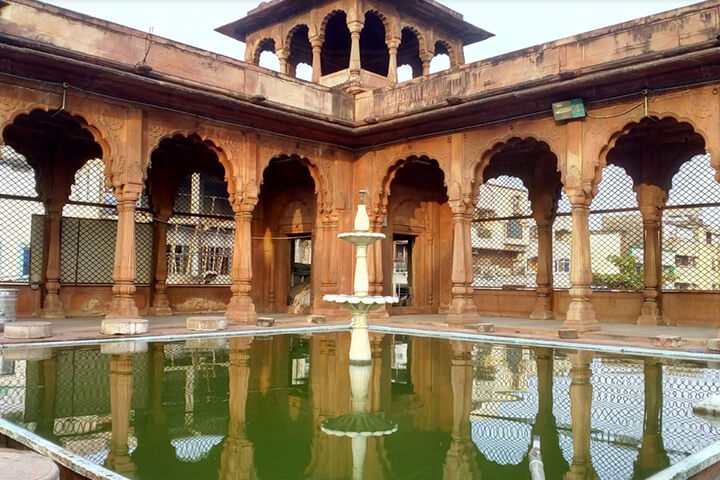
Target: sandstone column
[652,456]
[462,305]
[123,302]
[52,306]
[118,458]
[316,43]
[651,199]
[283,60]
[160,304]
[325,265]
[580,314]
[375,268]
[355,28]
[580,407]
[426,65]
[393,46]
[237,457]
[241,308]
[543,210]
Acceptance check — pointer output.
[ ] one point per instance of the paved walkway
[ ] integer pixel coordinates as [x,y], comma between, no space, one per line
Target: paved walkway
[617,334]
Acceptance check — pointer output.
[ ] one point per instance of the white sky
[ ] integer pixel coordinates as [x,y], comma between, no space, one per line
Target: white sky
[516,23]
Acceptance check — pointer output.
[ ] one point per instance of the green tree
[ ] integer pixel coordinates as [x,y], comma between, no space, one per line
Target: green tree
[629,276]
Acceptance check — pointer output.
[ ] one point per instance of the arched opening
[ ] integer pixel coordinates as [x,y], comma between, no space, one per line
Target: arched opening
[409,52]
[300,52]
[374,54]
[419,238]
[265,55]
[441,59]
[284,232]
[194,227]
[335,54]
[42,152]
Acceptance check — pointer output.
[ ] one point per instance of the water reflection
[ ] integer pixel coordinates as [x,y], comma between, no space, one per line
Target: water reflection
[253,408]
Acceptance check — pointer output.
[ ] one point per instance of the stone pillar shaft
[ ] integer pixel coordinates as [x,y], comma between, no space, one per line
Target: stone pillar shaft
[543,309]
[160,304]
[123,302]
[316,44]
[393,62]
[462,305]
[355,62]
[651,199]
[52,306]
[580,314]
[241,308]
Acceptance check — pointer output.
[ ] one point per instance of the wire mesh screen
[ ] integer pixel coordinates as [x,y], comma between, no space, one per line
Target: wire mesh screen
[21,214]
[503,236]
[691,228]
[89,229]
[200,233]
[616,236]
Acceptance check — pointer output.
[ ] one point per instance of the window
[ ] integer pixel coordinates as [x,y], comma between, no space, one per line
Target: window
[685,261]
[178,259]
[514,229]
[562,265]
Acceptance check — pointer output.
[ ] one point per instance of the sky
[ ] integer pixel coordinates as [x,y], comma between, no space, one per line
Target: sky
[516,23]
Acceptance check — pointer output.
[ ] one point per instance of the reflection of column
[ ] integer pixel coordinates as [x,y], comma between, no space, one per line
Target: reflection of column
[462,305]
[123,302]
[554,462]
[316,44]
[241,308]
[460,462]
[237,458]
[118,458]
[580,314]
[580,404]
[52,306]
[651,199]
[160,304]
[46,418]
[393,63]
[652,456]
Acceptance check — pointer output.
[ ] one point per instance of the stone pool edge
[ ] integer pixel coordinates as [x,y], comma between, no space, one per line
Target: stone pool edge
[690,467]
[58,454]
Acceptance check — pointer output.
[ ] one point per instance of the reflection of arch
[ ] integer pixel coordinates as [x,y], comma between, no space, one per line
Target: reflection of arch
[264,45]
[694,140]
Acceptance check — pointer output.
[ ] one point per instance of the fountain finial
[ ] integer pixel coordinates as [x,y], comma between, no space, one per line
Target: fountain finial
[362,221]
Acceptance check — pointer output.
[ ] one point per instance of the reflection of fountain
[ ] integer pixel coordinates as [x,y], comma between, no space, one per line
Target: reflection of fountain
[359,424]
[360,304]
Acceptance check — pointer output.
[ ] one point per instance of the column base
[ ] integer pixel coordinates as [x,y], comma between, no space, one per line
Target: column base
[53,308]
[122,307]
[51,314]
[241,311]
[581,317]
[650,315]
[543,308]
[160,311]
[464,318]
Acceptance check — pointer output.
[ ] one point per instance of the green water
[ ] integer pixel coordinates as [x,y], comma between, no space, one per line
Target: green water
[253,409]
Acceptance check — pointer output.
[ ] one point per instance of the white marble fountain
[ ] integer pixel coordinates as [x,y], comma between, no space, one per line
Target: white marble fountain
[360,304]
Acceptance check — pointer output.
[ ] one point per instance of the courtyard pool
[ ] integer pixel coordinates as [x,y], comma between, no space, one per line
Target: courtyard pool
[293,407]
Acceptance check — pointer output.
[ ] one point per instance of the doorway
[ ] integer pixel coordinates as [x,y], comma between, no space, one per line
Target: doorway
[402,278]
[299,290]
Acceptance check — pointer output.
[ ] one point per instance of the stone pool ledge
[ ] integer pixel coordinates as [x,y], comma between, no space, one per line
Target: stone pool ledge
[64,458]
[703,465]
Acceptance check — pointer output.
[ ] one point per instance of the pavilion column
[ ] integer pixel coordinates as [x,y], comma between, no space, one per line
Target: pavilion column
[651,199]
[426,65]
[355,66]
[282,55]
[580,314]
[652,456]
[543,209]
[462,306]
[324,255]
[118,458]
[123,301]
[237,457]
[316,43]
[241,308]
[160,304]
[393,46]
[580,410]
[375,270]
[52,306]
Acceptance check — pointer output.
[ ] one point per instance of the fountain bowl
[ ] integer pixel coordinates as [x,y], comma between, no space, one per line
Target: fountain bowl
[361,239]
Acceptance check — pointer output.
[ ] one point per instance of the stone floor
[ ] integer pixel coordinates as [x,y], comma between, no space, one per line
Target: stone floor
[618,334]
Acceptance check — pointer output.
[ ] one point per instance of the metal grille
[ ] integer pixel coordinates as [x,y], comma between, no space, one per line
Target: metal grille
[89,230]
[504,236]
[691,228]
[21,214]
[200,233]
[616,236]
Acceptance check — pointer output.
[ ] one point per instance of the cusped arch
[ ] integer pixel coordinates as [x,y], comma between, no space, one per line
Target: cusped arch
[291,34]
[319,176]
[627,129]
[383,193]
[327,18]
[447,48]
[267,44]
[422,42]
[385,21]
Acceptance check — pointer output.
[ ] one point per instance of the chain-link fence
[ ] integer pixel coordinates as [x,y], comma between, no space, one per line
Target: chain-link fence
[691,228]
[89,229]
[200,233]
[21,215]
[504,236]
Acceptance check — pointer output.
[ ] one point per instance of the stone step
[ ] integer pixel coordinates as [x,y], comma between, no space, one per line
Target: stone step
[265,321]
[27,330]
[206,324]
[124,326]
[26,465]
